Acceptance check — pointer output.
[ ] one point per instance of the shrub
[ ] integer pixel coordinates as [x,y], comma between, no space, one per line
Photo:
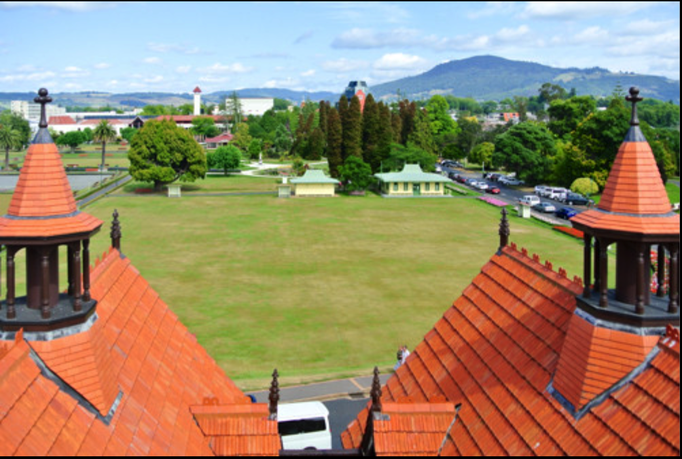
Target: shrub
[585,186]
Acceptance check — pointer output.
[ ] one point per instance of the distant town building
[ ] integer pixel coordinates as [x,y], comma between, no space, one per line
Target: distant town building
[255,106]
[197,101]
[357,88]
[31,111]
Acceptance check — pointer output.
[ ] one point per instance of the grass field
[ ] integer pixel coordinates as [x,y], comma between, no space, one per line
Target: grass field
[217,184]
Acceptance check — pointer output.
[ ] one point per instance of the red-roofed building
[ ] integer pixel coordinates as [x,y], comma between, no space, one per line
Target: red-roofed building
[61,120]
[539,364]
[104,368]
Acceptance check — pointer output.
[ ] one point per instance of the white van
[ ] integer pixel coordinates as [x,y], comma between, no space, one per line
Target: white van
[557,194]
[529,200]
[304,426]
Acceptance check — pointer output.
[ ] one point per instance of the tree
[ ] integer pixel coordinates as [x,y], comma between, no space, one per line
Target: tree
[334,142]
[88,134]
[355,174]
[352,129]
[162,153]
[233,109]
[409,154]
[104,132]
[549,92]
[282,139]
[204,126]
[226,158]
[315,147]
[566,115]
[242,139]
[9,138]
[585,186]
[17,123]
[440,120]
[469,136]
[128,133]
[421,135]
[371,119]
[482,154]
[527,149]
[71,139]
[255,149]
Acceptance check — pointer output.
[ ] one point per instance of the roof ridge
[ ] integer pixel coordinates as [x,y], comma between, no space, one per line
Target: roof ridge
[547,270]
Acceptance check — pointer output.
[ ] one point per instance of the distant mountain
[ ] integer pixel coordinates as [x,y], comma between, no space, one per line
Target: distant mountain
[495,78]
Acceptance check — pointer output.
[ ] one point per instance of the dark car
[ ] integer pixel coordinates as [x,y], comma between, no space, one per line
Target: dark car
[544,207]
[576,199]
[460,178]
[566,213]
[493,190]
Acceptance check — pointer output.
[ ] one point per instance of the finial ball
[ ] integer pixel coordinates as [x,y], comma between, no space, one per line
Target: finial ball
[42,92]
[634,91]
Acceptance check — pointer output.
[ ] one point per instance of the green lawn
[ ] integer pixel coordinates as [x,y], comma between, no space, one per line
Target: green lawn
[318,288]
[217,184]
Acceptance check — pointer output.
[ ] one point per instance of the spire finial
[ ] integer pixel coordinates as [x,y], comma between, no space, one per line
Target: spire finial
[42,99]
[634,98]
[504,231]
[116,231]
[274,395]
[375,394]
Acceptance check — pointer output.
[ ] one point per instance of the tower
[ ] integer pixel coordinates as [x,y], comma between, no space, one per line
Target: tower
[43,217]
[197,101]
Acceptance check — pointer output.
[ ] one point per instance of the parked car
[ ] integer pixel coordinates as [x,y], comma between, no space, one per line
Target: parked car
[545,208]
[471,182]
[529,200]
[510,181]
[566,213]
[495,177]
[481,185]
[575,199]
[304,425]
[493,190]
[460,178]
[541,190]
[558,194]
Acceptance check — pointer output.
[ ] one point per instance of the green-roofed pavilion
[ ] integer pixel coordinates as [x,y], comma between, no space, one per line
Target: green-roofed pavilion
[314,183]
[412,181]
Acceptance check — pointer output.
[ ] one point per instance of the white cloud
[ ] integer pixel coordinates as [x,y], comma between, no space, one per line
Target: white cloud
[183,69]
[75,72]
[591,35]
[285,83]
[102,66]
[399,61]
[369,39]
[152,60]
[154,80]
[344,65]
[36,76]
[567,11]
[226,68]
[173,48]
[75,7]
[647,27]
[309,73]
[507,35]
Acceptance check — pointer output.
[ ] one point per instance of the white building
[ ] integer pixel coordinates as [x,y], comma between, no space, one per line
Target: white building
[31,111]
[254,106]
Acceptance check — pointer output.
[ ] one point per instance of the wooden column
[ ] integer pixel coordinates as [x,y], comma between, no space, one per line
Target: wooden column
[674,281]
[11,311]
[75,262]
[273,397]
[86,270]
[640,284]
[587,264]
[597,268]
[45,312]
[603,274]
[661,271]
[69,265]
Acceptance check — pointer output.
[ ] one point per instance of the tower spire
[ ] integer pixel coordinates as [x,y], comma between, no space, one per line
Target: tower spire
[43,99]
[634,99]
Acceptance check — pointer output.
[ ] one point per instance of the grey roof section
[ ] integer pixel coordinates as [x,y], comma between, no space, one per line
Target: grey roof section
[412,173]
[314,176]
[43,137]
[635,135]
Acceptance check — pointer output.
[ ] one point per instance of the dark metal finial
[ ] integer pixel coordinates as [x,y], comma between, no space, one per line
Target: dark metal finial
[42,99]
[375,394]
[274,395]
[634,98]
[504,231]
[116,232]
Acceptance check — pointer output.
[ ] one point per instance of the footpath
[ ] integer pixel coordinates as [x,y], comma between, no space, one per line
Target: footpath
[351,389]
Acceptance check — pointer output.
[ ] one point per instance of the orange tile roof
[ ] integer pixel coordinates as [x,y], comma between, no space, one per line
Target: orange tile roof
[495,352]
[138,349]
[43,204]
[60,120]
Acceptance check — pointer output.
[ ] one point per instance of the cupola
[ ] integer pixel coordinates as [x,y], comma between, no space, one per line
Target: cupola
[42,217]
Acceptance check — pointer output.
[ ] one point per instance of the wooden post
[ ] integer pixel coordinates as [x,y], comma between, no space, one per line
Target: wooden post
[116,232]
[76,262]
[673,279]
[274,396]
[45,312]
[69,265]
[640,284]
[504,231]
[376,392]
[603,275]
[661,271]
[597,265]
[11,311]
[86,270]
[587,264]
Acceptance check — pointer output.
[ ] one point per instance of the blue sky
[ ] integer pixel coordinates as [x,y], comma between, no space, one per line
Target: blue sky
[173,47]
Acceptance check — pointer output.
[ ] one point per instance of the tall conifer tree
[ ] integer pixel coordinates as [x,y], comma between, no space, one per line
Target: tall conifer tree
[352,130]
[334,142]
[370,133]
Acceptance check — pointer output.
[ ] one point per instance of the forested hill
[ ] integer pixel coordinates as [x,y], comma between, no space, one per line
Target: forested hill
[495,78]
